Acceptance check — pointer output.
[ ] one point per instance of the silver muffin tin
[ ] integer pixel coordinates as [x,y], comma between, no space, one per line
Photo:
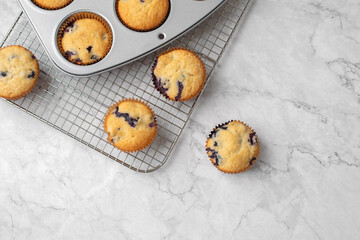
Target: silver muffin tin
[128,45]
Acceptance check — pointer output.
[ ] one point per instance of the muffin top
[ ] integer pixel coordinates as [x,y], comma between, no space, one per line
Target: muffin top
[143,15]
[52,4]
[179,74]
[85,41]
[233,147]
[19,71]
[131,125]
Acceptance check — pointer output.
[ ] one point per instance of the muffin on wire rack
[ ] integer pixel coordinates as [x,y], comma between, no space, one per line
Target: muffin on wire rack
[179,74]
[19,72]
[130,124]
[233,147]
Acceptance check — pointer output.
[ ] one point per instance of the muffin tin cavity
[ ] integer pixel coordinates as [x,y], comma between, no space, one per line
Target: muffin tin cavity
[52,4]
[84,38]
[142,15]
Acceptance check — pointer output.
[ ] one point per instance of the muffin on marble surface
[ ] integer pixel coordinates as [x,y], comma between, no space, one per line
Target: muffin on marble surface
[233,147]
[52,4]
[85,38]
[19,72]
[143,15]
[130,124]
[179,74]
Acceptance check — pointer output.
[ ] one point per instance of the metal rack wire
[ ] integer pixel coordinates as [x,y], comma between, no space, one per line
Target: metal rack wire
[76,106]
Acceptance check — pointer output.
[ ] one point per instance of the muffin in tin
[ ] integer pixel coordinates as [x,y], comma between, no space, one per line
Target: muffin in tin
[179,74]
[52,4]
[233,147]
[142,15]
[19,72]
[130,124]
[84,38]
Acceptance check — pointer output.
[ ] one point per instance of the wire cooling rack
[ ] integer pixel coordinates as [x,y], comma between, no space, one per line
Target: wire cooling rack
[76,106]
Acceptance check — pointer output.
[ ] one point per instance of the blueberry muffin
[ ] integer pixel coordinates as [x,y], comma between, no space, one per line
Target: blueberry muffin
[52,4]
[85,41]
[130,124]
[19,72]
[233,147]
[179,74]
[143,15]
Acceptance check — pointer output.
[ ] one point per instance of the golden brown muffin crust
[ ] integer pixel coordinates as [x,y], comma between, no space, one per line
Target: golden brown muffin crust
[52,4]
[19,71]
[130,124]
[179,74]
[85,41]
[143,15]
[233,147]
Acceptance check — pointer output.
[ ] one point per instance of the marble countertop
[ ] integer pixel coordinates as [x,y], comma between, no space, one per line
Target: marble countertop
[293,74]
